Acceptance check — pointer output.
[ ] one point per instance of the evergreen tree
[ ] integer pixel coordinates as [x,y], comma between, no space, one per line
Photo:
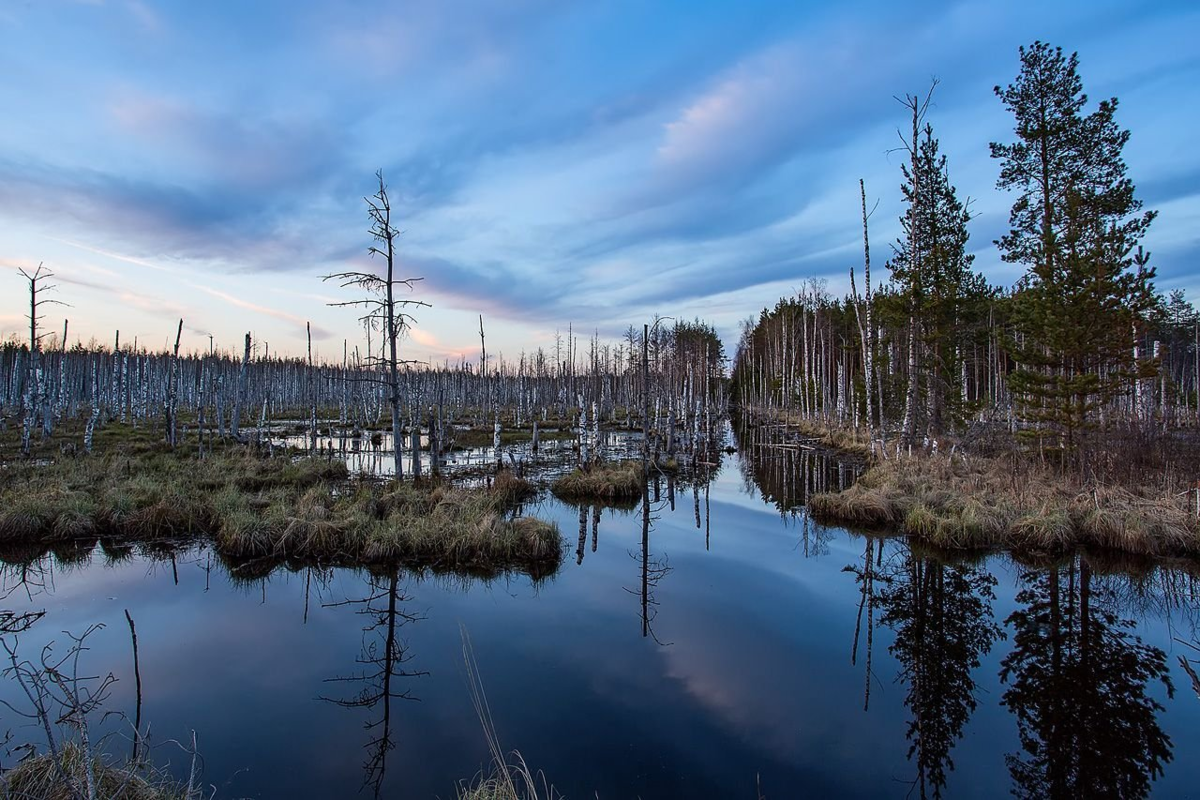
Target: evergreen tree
[1074,225]
[932,270]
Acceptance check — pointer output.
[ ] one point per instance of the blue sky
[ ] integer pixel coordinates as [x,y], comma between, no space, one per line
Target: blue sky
[551,162]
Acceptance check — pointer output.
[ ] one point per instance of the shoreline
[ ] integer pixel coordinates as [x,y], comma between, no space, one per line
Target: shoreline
[959,501]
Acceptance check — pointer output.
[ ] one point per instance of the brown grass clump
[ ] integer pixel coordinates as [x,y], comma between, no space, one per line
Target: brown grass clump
[465,530]
[508,489]
[605,481]
[40,777]
[986,503]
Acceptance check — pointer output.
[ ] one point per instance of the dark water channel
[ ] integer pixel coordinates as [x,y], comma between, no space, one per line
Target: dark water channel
[738,648]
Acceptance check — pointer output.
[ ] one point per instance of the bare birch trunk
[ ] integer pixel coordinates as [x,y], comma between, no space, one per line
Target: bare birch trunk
[173,389]
[240,398]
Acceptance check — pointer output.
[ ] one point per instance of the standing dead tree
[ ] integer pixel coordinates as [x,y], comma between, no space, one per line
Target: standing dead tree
[866,331]
[172,402]
[35,396]
[383,310]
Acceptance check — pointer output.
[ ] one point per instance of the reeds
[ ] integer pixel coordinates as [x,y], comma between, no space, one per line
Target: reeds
[509,777]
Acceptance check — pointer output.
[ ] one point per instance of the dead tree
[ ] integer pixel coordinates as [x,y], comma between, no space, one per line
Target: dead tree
[240,398]
[172,403]
[35,397]
[383,310]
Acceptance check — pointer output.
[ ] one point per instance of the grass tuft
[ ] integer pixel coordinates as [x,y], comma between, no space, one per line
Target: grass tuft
[605,481]
[268,509]
[40,777]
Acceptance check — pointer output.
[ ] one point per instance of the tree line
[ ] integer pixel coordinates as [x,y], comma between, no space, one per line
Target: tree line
[1082,341]
[674,370]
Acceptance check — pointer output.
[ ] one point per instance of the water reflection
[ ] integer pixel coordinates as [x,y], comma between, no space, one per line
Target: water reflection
[977,677]
[381,661]
[785,469]
[864,576]
[652,570]
[943,622]
[1078,682]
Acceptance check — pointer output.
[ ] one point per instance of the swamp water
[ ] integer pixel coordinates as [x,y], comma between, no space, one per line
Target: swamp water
[736,650]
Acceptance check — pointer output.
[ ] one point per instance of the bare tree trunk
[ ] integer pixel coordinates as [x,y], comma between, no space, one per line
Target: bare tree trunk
[173,389]
[91,423]
[240,399]
[312,394]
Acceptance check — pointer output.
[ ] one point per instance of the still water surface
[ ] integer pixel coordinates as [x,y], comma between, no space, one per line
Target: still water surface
[738,648]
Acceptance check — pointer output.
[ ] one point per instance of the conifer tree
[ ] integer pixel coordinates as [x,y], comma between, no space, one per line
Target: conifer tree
[932,270]
[1074,225]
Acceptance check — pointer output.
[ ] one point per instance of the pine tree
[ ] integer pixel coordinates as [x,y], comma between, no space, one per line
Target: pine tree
[933,272]
[1074,225]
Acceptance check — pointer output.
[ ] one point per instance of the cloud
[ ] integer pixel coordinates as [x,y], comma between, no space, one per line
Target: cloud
[548,162]
[302,325]
[260,151]
[217,224]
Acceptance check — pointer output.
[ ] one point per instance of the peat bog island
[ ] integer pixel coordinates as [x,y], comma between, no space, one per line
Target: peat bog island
[532,401]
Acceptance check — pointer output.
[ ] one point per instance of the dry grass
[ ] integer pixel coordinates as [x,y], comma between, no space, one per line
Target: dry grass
[606,481]
[509,489]
[986,503]
[270,508]
[40,777]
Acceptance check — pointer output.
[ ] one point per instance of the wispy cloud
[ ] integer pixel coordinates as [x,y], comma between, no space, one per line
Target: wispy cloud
[302,324]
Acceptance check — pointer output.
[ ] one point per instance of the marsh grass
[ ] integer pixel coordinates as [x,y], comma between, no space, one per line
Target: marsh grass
[510,489]
[40,777]
[254,507]
[984,503]
[603,481]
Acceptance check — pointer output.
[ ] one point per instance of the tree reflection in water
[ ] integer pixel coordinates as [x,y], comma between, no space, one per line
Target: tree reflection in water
[785,469]
[381,660]
[1077,684]
[943,622]
[652,570]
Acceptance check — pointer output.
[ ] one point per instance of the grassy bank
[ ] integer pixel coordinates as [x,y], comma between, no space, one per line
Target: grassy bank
[463,438]
[250,506]
[980,503]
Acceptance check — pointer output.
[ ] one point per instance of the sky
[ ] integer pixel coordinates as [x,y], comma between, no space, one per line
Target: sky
[551,164]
